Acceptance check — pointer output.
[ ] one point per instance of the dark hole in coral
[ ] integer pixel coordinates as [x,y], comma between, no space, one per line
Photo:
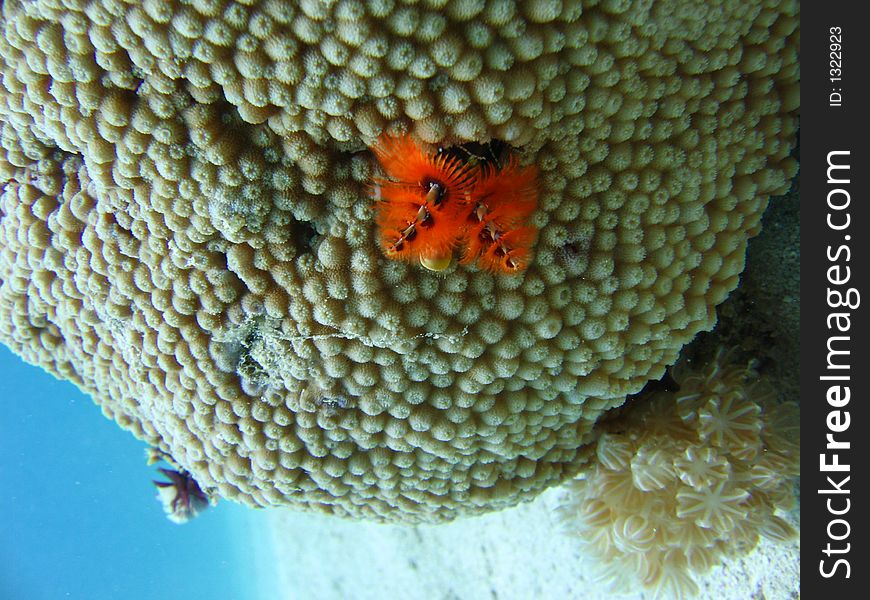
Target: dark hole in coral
[334,404]
[570,251]
[304,236]
[492,153]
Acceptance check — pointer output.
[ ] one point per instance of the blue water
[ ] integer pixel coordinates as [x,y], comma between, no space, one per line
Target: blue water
[79,515]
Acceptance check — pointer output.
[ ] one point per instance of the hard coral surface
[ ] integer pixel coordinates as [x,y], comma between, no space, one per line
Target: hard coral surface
[186,235]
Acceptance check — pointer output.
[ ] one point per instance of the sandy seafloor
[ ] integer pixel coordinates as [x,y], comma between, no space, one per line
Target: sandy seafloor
[516,554]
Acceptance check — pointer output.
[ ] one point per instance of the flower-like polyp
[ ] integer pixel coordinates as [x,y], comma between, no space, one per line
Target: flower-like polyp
[430,203]
[181,496]
[422,204]
[499,236]
[683,479]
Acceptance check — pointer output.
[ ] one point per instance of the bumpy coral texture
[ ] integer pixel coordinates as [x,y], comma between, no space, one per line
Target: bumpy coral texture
[186,231]
[683,479]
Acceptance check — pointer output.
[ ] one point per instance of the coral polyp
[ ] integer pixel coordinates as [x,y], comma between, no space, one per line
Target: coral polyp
[430,203]
[499,236]
[421,205]
[683,479]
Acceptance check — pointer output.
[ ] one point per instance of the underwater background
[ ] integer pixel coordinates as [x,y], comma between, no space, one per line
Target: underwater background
[80,518]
